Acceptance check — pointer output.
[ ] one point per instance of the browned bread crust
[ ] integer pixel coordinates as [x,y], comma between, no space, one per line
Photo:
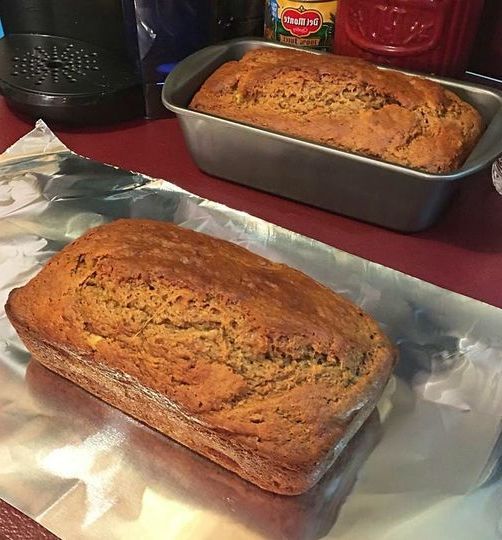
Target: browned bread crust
[248,362]
[346,103]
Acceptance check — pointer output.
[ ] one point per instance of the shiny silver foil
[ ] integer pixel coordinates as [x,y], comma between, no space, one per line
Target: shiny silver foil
[425,465]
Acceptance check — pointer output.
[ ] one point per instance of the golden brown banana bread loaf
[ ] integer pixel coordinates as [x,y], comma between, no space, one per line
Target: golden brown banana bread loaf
[248,362]
[346,103]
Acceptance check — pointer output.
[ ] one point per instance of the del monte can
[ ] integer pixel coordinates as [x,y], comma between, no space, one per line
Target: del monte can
[303,24]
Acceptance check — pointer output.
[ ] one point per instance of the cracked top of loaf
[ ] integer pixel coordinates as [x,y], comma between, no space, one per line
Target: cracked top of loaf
[346,103]
[246,346]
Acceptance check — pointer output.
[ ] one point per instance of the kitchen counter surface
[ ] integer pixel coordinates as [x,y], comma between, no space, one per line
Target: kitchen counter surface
[462,252]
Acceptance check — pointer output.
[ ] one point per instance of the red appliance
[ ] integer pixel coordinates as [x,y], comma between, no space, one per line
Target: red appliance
[434,36]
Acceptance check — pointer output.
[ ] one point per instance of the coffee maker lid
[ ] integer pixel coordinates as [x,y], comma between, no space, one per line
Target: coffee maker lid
[45,75]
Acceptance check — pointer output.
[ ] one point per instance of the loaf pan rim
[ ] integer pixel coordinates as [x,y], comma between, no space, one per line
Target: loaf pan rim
[467,168]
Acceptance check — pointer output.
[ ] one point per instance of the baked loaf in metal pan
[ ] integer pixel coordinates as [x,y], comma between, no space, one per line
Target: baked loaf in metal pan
[248,362]
[346,103]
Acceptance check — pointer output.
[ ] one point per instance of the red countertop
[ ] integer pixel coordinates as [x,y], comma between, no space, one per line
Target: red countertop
[462,252]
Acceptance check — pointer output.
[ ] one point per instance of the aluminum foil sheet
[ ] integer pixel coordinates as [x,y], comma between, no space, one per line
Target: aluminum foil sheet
[427,464]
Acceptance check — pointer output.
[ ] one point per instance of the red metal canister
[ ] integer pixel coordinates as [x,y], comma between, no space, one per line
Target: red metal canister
[423,35]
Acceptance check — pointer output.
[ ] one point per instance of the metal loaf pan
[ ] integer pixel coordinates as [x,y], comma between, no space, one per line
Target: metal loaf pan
[364,188]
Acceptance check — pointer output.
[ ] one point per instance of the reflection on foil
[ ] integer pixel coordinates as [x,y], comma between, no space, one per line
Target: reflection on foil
[427,465]
[78,461]
[21,191]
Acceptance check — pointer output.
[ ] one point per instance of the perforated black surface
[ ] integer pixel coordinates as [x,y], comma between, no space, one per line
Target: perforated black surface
[45,71]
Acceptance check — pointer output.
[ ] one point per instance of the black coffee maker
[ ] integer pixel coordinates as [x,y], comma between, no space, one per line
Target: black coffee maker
[98,61]
[69,61]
